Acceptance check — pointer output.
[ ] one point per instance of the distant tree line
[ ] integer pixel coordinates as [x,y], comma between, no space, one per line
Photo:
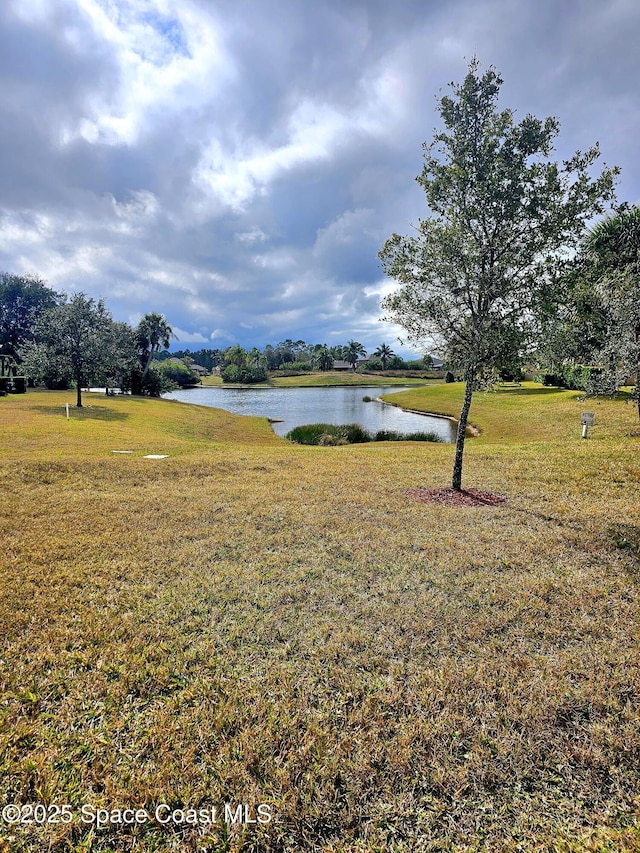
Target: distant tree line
[63,341]
[237,364]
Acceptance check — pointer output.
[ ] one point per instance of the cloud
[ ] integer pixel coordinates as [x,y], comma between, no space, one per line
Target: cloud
[237,165]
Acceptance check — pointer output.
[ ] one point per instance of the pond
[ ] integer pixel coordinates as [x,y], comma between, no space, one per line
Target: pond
[291,407]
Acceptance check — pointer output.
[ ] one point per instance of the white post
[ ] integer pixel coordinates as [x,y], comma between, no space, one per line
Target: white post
[67,408]
[584,430]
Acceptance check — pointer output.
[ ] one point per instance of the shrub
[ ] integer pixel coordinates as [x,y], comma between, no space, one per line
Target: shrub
[551,379]
[156,382]
[577,377]
[449,377]
[244,375]
[178,373]
[327,440]
[323,433]
[331,435]
[392,435]
[355,434]
[311,433]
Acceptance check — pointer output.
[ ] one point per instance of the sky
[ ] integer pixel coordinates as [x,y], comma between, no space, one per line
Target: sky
[236,165]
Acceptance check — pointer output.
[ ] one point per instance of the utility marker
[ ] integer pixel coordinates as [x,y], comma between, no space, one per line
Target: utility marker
[588,419]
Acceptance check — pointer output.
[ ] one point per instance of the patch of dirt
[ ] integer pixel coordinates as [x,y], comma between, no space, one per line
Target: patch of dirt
[450,497]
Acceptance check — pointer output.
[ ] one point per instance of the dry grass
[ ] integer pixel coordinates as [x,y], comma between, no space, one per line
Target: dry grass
[257,622]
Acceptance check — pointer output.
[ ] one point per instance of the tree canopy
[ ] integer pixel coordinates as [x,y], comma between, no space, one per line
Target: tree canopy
[74,337]
[23,298]
[503,218]
[613,249]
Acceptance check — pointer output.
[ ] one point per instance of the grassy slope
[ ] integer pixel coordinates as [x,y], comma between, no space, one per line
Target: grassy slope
[253,621]
[321,379]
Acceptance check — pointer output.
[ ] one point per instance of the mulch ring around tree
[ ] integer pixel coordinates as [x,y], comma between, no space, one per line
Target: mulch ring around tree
[451,497]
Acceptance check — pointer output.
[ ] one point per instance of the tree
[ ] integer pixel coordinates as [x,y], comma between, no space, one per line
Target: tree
[23,298]
[152,334]
[354,350]
[613,248]
[236,355]
[255,357]
[323,358]
[384,353]
[119,357]
[73,338]
[503,218]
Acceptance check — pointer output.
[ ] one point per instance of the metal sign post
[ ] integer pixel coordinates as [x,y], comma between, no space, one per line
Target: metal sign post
[588,419]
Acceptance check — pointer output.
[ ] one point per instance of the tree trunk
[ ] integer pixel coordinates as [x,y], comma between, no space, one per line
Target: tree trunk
[148,363]
[456,480]
[79,391]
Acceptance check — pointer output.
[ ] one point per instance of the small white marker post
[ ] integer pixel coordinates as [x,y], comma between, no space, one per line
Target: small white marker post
[66,405]
[588,419]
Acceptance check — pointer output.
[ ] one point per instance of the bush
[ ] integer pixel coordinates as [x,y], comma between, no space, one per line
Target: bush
[577,377]
[331,435]
[392,435]
[327,440]
[300,366]
[551,379]
[449,377]
[156,382]
[244,375]
[324,433]
[178,373]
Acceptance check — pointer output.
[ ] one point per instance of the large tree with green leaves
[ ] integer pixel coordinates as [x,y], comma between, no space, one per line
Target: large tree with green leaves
[612,250]
[23,298]
[72,339]
[503,217]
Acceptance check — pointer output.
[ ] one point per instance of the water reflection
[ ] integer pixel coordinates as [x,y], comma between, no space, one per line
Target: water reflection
[291,407]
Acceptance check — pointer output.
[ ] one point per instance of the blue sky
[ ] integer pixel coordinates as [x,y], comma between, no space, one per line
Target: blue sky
[237,164]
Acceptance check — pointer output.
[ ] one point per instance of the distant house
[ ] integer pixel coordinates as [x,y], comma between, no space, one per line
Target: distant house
[338,364]
[194,368]
[437,363]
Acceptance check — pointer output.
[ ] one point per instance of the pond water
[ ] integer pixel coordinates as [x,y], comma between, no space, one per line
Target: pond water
[291,407]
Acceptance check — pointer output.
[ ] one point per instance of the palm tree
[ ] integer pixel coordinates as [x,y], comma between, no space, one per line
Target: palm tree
[354,349]
[615,241]
[384,353]
[152,333]
[255,357]
[236,355]
[323,358]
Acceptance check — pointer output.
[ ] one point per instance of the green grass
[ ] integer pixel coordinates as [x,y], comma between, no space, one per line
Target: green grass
[321,379]
[333,378]
[253,621]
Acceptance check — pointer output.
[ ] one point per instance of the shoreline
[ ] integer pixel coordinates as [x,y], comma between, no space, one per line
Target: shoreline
[472,430]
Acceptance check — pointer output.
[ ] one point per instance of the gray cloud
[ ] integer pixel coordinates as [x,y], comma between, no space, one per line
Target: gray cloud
[237,165]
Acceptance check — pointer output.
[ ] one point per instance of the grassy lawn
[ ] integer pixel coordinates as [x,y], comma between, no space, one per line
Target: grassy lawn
[321,379]
[253,622]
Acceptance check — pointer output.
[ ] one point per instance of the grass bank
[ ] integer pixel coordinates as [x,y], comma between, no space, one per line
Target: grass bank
[251,621]
[322,379]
